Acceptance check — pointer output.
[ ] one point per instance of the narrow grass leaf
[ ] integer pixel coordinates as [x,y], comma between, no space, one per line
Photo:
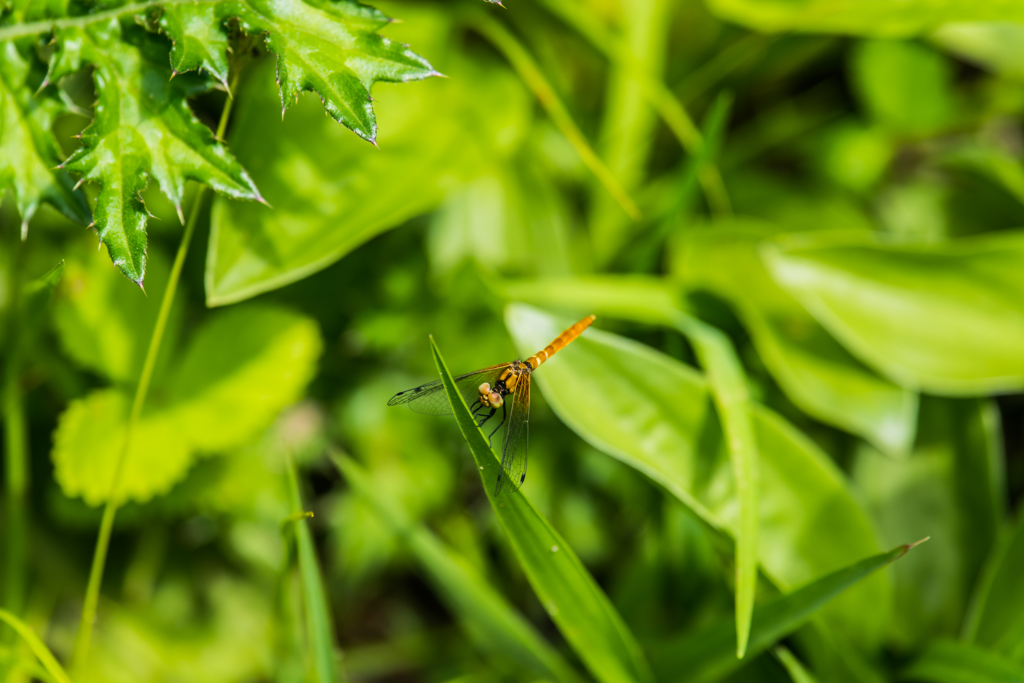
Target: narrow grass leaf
[318,612]
[567,591]
[487,618]
[954,662]
[37,646]
[709,654]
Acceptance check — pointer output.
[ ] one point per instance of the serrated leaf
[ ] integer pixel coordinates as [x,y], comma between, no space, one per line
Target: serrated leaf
[241,370]
[88,443]
[201,42]
[142,127]
[326,46]
[28,151]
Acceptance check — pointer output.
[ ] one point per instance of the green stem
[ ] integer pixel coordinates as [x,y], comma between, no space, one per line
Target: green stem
[16,444]
[92,592]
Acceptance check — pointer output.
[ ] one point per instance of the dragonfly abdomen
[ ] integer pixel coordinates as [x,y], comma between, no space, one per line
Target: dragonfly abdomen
[560,342]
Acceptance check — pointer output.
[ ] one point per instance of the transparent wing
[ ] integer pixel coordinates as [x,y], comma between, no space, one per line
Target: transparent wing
[517,437]
[430,398]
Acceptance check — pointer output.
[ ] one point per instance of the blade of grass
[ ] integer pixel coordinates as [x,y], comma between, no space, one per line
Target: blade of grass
[531,74]
[37,646]
[794,667]
[660,97]
[485,615]
[709,654]
[568,592]
[953,662]
[728,383]
[319,626]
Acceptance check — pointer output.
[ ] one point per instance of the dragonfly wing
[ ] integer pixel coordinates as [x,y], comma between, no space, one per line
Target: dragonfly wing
[517,437]
[430,398]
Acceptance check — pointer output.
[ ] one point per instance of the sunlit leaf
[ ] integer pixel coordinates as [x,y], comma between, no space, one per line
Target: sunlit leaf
[654,414]
[331,193]
[567,591]
[921,315]
[994,45]
[241,369]
[814,370]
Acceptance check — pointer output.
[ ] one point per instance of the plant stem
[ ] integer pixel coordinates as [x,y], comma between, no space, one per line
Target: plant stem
[15,442]
[34,28]
[92,591]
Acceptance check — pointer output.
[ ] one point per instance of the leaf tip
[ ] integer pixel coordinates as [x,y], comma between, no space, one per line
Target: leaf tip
[181,214]
[916,543]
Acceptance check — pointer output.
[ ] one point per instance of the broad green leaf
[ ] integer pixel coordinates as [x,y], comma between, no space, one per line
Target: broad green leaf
[953,662]
[567,591]
[904,86]
[998,623]
[37,646]
[950,488]
[330,47]
[994,45]
[103,325]
[142,127]
[28,150]
[319,625]
[654,414]
[331,193]
[945,318]
[486,617]
[728,385]
[815,371]
[882,18]
[89,440]
[241,369]
[708,654]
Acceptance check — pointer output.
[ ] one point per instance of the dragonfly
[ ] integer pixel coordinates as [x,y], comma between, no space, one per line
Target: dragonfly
[504,387]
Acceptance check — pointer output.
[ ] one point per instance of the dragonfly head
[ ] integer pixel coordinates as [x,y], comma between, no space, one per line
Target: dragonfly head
[491,399]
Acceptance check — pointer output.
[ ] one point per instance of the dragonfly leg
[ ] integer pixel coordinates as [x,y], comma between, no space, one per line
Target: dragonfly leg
[504,416]
[487,417]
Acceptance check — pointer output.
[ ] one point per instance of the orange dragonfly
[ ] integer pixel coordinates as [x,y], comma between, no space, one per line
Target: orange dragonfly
[489,389]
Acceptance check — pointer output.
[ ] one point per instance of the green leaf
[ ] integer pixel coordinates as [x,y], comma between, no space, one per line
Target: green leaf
[103,325]
[28,150]
[319,626]
[998,620]
[568,593]
[709,654]
[952,662]
[653,413]
[142,127]
[882,18]
[905,86]
[486,617]
[330,47]
[996,45]
[242,368]
[37,646]
[820,376]
[921,315]
[89,440]
[726,378]
[200,41]
[331,193]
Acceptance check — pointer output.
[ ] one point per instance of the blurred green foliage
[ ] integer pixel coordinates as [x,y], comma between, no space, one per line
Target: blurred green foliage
[830,257]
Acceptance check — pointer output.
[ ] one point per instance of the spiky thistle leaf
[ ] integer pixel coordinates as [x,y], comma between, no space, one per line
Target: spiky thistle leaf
[28,151]
[142,127]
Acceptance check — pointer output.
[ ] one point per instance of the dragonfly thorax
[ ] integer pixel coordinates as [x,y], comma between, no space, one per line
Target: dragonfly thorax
[508,380]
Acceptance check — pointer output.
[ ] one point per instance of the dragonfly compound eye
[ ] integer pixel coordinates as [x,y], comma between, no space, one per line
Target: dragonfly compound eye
[485,388]
[495,400]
